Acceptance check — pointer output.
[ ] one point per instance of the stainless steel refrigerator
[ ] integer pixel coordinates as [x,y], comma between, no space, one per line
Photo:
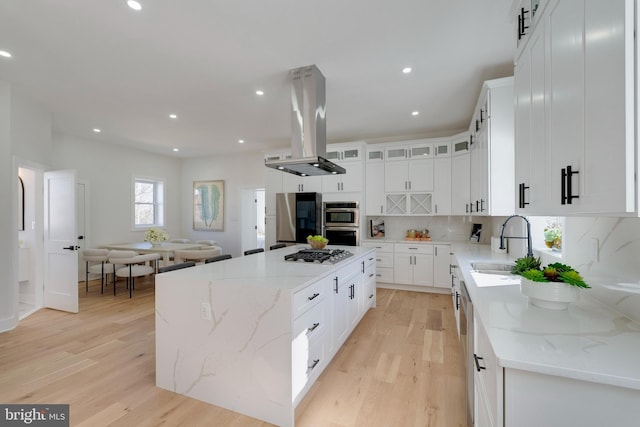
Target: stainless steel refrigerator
[298,215]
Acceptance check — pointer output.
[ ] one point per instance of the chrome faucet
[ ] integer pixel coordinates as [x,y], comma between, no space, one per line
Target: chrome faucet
[528,237]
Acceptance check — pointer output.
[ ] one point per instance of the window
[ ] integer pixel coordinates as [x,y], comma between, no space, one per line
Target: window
[547,233]
[148,206]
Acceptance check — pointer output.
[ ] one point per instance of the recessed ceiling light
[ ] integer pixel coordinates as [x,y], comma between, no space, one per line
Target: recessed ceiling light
[173,116]
[5,54]
[96,130]
[176,149]
[241,141]
[259,93]
[415,113]
[133,4]
[406,70]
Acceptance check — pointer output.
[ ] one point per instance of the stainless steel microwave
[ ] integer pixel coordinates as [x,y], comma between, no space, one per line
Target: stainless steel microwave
[341,214]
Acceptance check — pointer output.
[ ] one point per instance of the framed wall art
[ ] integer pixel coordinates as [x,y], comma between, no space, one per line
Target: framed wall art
[208,205]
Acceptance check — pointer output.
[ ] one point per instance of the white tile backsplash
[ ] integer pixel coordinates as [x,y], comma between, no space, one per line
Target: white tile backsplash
[441,228]
[617,243]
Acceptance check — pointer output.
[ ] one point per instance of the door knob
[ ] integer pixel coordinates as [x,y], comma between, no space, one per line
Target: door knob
[72,248]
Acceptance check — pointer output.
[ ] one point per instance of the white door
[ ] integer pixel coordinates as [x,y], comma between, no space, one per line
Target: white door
[60,241]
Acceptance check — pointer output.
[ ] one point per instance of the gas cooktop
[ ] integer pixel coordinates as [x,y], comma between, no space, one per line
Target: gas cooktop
[326,256]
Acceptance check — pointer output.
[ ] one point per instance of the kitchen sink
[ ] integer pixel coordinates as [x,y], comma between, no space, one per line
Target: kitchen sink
[491,267]
[493,274]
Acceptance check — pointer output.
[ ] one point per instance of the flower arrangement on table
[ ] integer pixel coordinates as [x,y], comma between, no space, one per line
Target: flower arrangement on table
[553,287]
[155,235]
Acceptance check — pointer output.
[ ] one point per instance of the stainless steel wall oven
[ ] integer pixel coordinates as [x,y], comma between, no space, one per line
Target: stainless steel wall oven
[342,223]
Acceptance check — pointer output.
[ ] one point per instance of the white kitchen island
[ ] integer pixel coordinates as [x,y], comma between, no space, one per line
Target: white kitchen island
[252,334]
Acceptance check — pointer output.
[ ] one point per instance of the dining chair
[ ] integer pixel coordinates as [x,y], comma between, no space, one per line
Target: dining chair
[277,246]
[173,267]
[179,241]
[134,265]
[217,258]
[207,242]
[196,255]
[254,251]
[95,256]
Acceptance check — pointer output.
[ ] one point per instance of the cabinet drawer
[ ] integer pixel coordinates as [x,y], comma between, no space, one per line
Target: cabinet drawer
[307,361]
[310,324]
[384,260]
[490,378]
[306,298]
[379,246]
[413,248]
[384,275]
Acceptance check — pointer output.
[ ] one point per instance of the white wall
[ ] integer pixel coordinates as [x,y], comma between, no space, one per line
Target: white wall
[30,129]
[238,172]
[8,225]
[109,169]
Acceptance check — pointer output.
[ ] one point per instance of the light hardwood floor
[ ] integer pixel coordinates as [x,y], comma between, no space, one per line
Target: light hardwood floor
[402,366]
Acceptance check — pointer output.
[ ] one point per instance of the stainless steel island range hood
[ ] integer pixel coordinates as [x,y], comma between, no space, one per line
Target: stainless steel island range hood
[308,126]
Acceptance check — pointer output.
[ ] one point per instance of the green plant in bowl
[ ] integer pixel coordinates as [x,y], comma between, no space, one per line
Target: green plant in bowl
[317,241]
[531,268]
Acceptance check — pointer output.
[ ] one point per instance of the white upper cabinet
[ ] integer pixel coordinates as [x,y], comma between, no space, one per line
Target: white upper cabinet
[492,151]
[301,184]
[340,153]
[460,174]
[351,157]
[442,177]
[576,110]
[409,168]
[375,181]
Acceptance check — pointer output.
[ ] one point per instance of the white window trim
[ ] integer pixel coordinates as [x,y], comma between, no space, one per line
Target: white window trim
[159,220]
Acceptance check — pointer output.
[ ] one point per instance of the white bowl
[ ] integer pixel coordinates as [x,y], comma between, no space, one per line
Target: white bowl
[549,295]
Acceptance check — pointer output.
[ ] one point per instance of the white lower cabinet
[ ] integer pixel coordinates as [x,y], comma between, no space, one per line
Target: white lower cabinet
[441,263]
[311,332]
[413,264]
[384,260]
[348,295]
[508,397]
[487,381]
[369,289]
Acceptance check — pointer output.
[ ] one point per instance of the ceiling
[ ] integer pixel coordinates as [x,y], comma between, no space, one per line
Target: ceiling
[100,64]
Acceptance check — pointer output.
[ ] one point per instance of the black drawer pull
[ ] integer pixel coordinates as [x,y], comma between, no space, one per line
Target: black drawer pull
[478,367]
[313,365]
[315,325]
[314,296]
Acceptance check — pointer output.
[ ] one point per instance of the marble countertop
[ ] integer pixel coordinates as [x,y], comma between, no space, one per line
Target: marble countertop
[426,242]
[269,269]
[590,341]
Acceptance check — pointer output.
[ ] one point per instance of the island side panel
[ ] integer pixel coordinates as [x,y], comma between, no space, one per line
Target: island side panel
[240,359]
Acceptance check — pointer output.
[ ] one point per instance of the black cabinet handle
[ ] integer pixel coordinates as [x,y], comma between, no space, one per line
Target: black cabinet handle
[314,296]
[471,139]
[521,195]
[335,279]
[521,20]
[481,115]
[313,365]
[477,125]
[72,248]
[476,359]
[312,328]
[566,187]
[457,301]
[481,205]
